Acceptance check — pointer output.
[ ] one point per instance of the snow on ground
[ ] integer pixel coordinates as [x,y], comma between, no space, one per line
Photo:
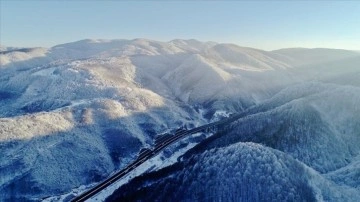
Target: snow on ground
[220,114]
[17,55]
[155,163]
[306,56]
[347,176]
[241,171]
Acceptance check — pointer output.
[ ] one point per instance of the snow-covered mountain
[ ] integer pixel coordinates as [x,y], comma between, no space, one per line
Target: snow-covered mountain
[305,56]
[307,149]
[239,172]
[73,113]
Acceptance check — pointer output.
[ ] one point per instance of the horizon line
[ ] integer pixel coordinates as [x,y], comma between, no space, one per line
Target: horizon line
[167,41]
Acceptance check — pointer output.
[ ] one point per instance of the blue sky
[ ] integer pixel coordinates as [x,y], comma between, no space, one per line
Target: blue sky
[261,24]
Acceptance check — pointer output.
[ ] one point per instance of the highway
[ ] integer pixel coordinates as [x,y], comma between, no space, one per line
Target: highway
[159,146]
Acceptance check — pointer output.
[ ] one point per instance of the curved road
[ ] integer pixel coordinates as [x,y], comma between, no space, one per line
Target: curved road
[149,154]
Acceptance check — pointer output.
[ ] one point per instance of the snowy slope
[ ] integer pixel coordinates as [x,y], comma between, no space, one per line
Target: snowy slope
[232,76]
[343,72]
[8,56]
[306,56]
[97,102]
[321,129]
[309,151]
[65,117]
[240,172]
